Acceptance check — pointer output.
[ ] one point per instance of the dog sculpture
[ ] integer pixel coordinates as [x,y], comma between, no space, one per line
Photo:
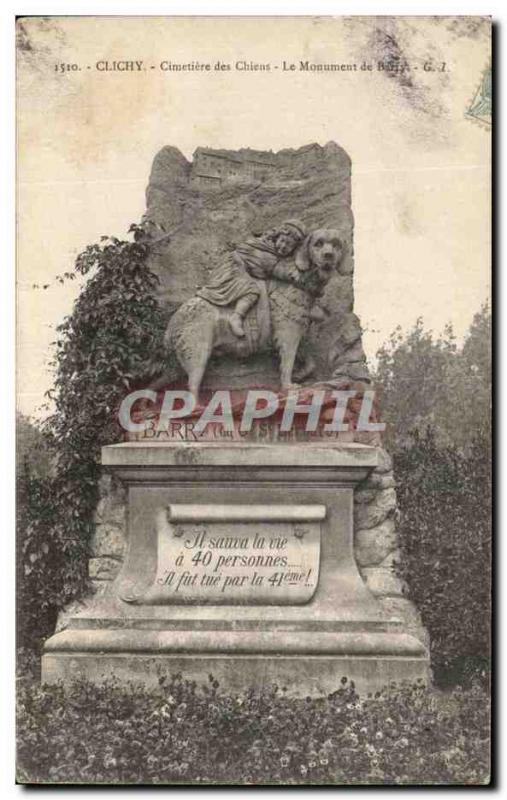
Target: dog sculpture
[279,320]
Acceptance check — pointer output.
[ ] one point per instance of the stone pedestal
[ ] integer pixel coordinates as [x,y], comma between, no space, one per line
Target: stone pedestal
[240,563]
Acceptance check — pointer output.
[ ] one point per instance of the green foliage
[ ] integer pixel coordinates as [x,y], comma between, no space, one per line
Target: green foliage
[427,382]
[38,560]
[32,453]
[437,403]
[110,342]
[444,497]
[186,733]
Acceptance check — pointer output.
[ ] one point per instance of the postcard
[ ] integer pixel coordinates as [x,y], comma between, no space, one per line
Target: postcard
[254,400]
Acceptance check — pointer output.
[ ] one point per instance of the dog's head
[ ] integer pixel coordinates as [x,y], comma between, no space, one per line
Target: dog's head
[322,250]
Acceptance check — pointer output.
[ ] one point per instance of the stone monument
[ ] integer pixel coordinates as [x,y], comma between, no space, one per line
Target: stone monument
[246,526]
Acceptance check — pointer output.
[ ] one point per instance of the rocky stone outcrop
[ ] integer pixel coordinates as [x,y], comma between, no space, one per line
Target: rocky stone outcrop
[202,221]
[373,545]
[376,544]
[109,537]
[370,514]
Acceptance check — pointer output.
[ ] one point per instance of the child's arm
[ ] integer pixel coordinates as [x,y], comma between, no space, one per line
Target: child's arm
[289,273]
[308,281]
[258,264]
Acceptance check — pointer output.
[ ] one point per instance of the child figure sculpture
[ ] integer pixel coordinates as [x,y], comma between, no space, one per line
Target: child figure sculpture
[261,257]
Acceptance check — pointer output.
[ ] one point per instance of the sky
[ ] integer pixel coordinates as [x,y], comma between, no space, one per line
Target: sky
[420,166]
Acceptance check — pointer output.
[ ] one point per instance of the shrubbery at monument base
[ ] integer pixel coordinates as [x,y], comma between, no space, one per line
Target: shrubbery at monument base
[437,406]
[188,733]
[445,541]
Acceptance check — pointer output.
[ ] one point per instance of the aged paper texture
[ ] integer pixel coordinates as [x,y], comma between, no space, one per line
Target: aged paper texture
[253,396]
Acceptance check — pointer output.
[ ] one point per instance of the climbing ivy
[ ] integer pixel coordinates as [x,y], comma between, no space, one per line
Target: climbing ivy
[109,344]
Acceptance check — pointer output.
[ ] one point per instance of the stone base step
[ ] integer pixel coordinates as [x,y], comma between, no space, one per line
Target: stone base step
[307,663]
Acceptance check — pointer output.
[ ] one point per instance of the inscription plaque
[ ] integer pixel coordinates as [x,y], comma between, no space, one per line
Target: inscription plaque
[235,554]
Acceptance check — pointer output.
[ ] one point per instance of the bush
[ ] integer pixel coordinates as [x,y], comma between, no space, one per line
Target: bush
[38,561]
[444,497]
[32,452]
[186,733]
[436,400]
[427,381]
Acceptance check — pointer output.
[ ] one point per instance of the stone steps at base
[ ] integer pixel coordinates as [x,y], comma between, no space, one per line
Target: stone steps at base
[302,675]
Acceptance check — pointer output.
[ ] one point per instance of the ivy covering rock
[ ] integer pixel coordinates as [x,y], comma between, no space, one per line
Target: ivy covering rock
[111,341]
